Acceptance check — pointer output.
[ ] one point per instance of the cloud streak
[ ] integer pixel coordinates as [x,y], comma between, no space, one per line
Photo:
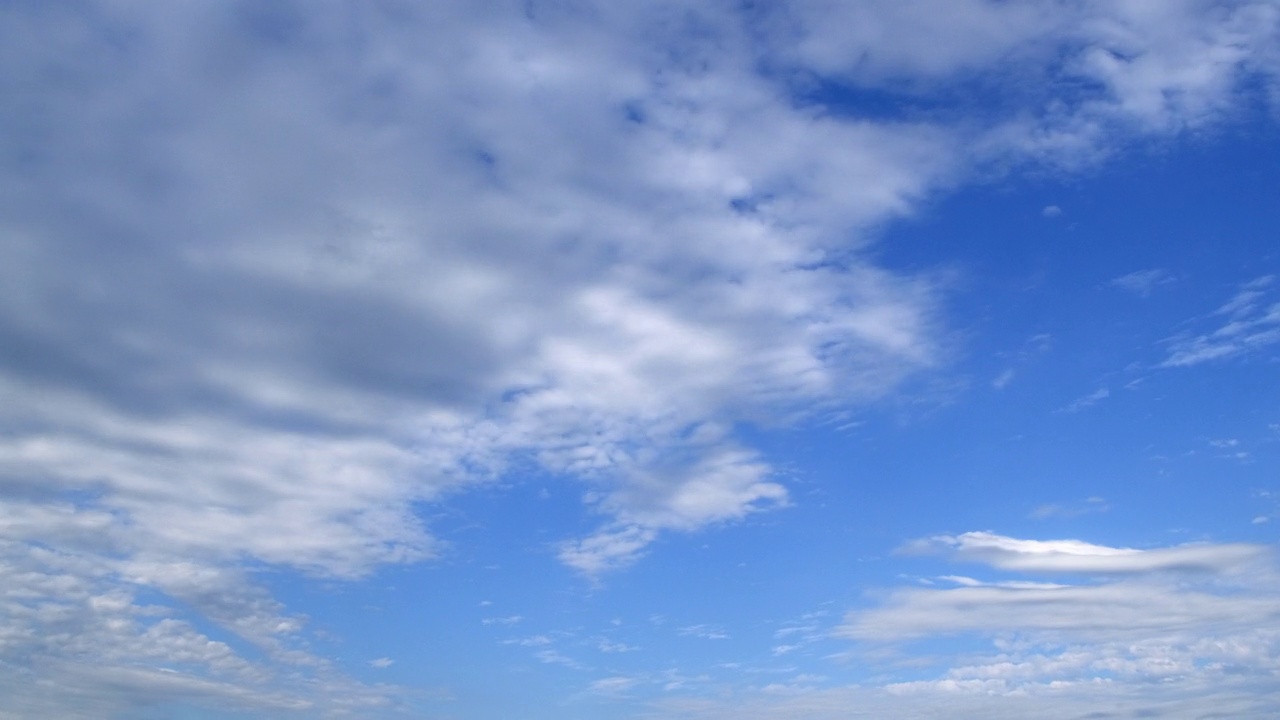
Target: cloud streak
[1187,617]
[1251,324]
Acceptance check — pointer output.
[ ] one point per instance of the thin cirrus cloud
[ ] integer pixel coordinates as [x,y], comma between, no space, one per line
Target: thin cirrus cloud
[277,276]
[1143,282]
[1252,322]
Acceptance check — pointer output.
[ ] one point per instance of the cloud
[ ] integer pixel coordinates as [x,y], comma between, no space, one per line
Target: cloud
[1168,632]
[1250,324]
[1051,211]
[608,646]
[553,657]
[1171,594]
[1086,401]
[1143,282]
[613,685]
[958,698]
[1003,379]
[531,641]
[382,663]
[1070,510]
[273,282]
[706,632]
[1076,556]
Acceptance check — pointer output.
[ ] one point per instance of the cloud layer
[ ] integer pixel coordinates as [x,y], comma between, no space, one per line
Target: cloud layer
[276,275]
[1139,629]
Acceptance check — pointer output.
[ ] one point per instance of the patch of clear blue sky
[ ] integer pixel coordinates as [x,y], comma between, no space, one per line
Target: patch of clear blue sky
[1033,297]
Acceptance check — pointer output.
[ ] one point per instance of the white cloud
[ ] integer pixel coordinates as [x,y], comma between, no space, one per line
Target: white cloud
[1168,632]
[1075,556]
[1233,697]
[608,646]
[1003,379]
[613,685]
[265,293]
[382,663]
[1143,282]
[706,632]
[1070,510]
[1251,324]
[553,657]
[531,641]
[1086,401]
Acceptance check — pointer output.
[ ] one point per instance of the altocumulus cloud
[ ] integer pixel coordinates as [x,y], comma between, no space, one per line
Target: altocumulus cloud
[276,274]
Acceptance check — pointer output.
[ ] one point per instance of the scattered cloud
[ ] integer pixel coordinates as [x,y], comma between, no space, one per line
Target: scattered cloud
[553,657]
[1145,623]
[706,632]
[1003,379]
[1051,211]
[614,685]
[1250,324]
[1075,556]
[1070,510]
[382,663]
[531,641]
[1143,282]
[608,646]
[1086,401]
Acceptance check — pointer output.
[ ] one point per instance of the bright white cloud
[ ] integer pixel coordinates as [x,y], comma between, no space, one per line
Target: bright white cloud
[1075,556]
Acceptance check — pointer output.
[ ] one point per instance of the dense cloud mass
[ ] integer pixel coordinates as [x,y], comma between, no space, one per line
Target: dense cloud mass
[277,275]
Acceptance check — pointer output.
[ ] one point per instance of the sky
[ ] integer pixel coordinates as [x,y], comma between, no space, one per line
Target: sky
[669,360]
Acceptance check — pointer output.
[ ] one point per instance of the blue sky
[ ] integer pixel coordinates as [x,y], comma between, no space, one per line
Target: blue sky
[687,360]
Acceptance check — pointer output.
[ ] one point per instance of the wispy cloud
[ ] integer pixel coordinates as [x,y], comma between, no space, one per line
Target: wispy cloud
[1250,324]
[609,646]
[1143,282]
[1086,401]
[1075,556]
[613,685]
[1070,510]
[1186,615]
[706,632]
